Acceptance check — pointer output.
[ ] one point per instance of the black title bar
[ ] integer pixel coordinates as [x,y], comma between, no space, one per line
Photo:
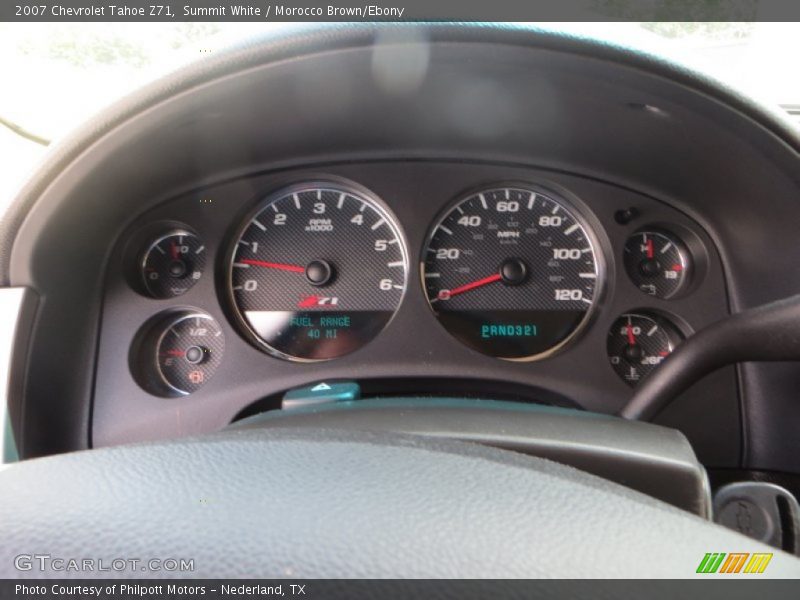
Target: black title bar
[398,10]
[741,588]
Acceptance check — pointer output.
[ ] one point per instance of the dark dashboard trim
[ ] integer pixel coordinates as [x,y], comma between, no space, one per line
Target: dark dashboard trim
[741,116]
[308,40]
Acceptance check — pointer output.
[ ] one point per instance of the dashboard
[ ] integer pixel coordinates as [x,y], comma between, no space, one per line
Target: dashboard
[419,277]
[520,216]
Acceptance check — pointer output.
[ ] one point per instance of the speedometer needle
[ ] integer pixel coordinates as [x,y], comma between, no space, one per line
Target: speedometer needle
[272,265]
[447,294]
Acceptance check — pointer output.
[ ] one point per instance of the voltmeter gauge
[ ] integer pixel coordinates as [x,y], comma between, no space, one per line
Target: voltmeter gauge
[178,354]
[638,343]
[172,264]
[658,263]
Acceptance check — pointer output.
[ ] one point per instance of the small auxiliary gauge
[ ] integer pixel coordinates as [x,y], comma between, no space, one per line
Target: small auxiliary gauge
[172,264]
[658,263]
[179,353]
[638,343]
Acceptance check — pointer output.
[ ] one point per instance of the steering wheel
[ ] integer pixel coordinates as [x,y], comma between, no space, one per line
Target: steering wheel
[327,502]
[322,503]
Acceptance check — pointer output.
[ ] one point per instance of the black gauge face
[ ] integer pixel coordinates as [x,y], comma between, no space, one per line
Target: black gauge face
[172,264]
[189,351]
[511,272]
[317,272]
[178,353]
[638,343]
[658,263]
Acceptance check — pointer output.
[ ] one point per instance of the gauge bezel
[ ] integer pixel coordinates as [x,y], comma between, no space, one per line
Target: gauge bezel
[136,246]
[693,246]
[166,326]
[688,259]
[143,352]
[582,215]
[674,324]
[261,202]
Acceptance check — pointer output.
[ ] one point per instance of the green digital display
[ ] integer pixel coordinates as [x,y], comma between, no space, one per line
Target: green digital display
[502,330]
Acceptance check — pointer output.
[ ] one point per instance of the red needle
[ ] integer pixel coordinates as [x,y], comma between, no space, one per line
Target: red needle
[631,337]
[173,249]
[272,265]
[175,352]
[649,248]
[447,294]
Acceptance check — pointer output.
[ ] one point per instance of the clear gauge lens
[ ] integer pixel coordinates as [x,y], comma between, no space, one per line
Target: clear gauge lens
[188,351]
[638,343]
[317,272]
[172,264]
[657,263]
[511,272]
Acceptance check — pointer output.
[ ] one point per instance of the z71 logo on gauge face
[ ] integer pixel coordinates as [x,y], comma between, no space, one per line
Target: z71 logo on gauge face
[317,272]
[309,301]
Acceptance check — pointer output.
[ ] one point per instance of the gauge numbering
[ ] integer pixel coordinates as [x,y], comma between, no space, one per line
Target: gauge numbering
[317,272]
[658,263]
[172,264]
[511,272]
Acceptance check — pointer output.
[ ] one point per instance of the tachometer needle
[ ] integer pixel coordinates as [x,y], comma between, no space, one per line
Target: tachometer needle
[447,294]
[272,265]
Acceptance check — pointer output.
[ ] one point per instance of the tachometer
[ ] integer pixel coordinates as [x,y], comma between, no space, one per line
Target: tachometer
[317,271]
[511,272]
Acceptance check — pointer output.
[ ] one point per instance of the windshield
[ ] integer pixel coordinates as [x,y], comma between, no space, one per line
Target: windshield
[59,75]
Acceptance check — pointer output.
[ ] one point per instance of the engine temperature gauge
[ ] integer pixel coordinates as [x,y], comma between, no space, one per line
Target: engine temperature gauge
[658,263]
[638,343]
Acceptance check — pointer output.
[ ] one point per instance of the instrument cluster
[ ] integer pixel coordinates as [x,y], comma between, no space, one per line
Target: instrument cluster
[315,270]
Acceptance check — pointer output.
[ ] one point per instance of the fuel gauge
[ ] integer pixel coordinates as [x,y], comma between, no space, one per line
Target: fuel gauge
[189,351]
[658,263]
[178,353]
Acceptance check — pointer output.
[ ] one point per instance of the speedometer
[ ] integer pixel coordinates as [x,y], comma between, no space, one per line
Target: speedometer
[511,272]
[317,271]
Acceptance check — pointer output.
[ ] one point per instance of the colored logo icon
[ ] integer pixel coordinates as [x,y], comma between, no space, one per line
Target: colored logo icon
[734,562]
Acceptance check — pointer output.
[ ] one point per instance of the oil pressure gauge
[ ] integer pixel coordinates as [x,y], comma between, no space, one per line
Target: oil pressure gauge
[658,263]
[172,264]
